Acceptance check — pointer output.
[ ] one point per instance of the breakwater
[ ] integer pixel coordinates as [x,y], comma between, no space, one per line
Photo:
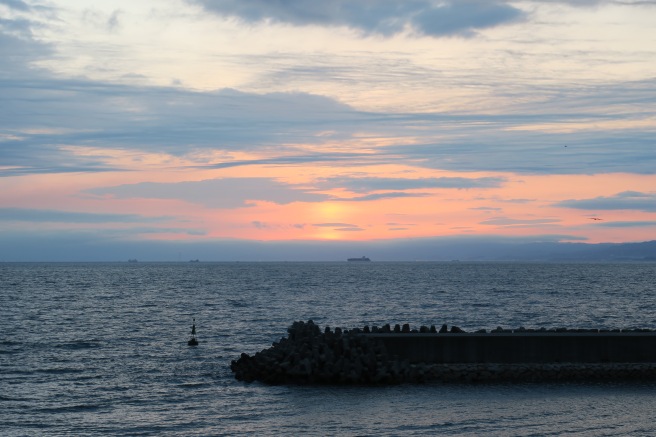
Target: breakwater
[387,355]
[524,347]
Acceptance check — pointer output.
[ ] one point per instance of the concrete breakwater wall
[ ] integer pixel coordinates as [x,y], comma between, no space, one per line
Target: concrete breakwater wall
[523,347]
[388,356]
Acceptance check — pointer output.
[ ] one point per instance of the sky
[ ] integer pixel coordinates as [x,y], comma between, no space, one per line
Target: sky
[251,129]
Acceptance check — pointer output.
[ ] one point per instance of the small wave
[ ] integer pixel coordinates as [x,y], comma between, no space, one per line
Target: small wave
[14,399]
[80,344]
[238,303]
[60,370]
[9,347]
[10,343]
[193,384]
[70,408]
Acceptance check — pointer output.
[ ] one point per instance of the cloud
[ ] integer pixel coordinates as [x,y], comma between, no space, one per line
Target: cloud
[181,122]
[334,225]
[215,193]
[592,3]
[138,233]
[18,48]
[347,158]
[41,115]
[628,224]
[379,196]
[162,119]
[195,232]
[104,226]
[56,216]
[339,227]
[113,22]
[486,209]
[627,200]
[374,17]
[21,159]
[537,153]
[463,17]
[518,201]
[264,225]
[511,222]
[259,225]
[288,127]
[363,185]
[18,27]
[18,5]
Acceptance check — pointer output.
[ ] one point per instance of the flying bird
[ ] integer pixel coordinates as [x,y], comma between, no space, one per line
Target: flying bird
[595,218]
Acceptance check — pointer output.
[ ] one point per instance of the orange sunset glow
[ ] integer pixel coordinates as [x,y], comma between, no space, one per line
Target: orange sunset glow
[198,127]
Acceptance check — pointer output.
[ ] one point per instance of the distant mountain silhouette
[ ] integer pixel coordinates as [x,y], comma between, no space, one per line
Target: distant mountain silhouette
[645,251]
[495,249]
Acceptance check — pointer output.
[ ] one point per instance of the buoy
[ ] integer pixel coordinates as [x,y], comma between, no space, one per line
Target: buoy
[192,341]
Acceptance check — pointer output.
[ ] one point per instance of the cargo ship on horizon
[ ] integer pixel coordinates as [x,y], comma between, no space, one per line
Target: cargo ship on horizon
[363,258]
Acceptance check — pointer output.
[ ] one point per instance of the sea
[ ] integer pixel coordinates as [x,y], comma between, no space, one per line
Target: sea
[101,348]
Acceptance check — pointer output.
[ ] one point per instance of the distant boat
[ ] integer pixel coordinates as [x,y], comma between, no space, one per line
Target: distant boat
[194,261]
[132,260]
[364,258]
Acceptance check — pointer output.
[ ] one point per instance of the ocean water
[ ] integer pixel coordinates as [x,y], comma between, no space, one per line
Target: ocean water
[93,349]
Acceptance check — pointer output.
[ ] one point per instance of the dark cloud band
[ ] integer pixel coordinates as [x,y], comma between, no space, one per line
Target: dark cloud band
[381,17]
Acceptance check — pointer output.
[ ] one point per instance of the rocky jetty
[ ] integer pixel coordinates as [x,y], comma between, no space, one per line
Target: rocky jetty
[359,356]
[309,356]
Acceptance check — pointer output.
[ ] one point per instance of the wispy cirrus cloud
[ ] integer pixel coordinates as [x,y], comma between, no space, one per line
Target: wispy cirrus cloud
[521,136]
[215,193]
[628,224]
[156,120]
[334,225]
[366,184]
[58,216]
[381,196]
[31,145]
[181,122]
[589,3]
[260,224]
[512,222]
[100,226]
[161,118]
[486,209]
[627,200]
[340,227]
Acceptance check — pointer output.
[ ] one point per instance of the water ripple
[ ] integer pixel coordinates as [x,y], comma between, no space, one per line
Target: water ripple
[90,349]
